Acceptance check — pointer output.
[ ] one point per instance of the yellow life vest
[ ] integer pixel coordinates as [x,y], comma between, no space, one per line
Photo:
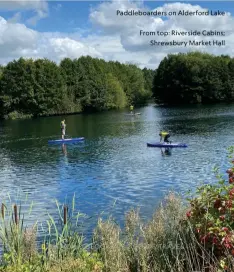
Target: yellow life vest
[164,133]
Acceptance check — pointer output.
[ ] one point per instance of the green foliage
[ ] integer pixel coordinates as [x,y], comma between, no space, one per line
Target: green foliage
[162,244]
[31,87]
[115,96]
[169,242]
[149,78]
[49,88]
[212,216]
[40,87]
[88,262]
[194,78]
[17,115]
[64,241]
[62,249]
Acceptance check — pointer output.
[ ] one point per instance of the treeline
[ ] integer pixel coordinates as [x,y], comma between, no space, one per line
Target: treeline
[41,87]
[194,78]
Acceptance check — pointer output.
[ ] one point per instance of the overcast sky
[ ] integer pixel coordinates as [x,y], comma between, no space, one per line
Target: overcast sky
[55,30]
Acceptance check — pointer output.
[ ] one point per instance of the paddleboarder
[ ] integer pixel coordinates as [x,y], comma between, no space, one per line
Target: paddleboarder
[164,136]
[63,128]
[131,109]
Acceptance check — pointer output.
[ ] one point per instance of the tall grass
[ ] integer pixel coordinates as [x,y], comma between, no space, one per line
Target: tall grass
[18,244]
[62,248]
[166,243]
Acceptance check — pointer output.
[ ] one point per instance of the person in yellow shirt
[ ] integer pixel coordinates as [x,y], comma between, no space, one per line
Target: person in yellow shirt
[164,136]
[131,109]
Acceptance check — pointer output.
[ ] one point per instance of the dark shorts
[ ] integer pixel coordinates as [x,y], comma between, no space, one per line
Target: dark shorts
[166,138]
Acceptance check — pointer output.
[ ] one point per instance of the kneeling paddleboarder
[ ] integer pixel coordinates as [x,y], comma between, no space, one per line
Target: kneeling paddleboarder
[63,128]
[165,136]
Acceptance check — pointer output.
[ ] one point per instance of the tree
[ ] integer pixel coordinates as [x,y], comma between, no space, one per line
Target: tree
[194,78]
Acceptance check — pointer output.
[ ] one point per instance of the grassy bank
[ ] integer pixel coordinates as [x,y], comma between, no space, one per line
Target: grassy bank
[16,115]
[180,237]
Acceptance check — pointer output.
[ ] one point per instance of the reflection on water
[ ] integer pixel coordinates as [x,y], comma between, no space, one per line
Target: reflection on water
[113,169]
[64,149]
[166,151]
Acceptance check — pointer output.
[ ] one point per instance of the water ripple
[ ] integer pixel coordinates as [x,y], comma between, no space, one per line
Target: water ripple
[113,170]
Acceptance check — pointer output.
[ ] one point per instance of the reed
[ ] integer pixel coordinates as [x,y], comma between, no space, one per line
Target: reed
[166,243]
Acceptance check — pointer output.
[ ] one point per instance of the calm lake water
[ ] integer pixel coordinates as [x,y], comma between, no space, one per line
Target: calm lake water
[113,170]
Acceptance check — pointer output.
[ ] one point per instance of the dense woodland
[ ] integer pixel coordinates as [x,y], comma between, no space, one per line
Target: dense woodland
[194,78]
[41,87]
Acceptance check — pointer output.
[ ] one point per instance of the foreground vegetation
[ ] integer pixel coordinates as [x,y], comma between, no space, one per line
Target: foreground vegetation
[194,236]
[194,78]
[41,87]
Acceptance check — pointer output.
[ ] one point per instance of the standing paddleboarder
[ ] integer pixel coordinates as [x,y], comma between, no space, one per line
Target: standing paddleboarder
[63,128]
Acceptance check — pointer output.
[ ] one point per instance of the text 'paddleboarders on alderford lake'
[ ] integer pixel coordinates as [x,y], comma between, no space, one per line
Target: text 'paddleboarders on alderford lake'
[170,13]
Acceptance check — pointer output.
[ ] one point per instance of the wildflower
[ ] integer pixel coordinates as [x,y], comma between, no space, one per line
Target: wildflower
[215,240]
[188,214]
[231,180]
[221,209]
[205,238]
[231,193]
[229,171]
[227,242]
[222,217]
[217,203]
[229,204]
[225,229]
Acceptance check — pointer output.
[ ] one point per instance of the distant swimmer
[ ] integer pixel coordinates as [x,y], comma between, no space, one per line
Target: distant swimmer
[164,136]
[63,128]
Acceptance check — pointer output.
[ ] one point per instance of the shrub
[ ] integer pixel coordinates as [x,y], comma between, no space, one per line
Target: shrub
[211,215]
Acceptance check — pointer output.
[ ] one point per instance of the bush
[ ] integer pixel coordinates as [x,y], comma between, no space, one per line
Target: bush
[212,217]
[165,243]
[17,115]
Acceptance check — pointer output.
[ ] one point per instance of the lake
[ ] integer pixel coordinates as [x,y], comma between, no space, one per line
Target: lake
[113,170]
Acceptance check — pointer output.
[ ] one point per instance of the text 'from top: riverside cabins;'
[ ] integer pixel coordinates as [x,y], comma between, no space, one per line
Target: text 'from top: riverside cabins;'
[182,33]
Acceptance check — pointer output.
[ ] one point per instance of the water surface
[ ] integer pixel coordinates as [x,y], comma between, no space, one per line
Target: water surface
[113,170]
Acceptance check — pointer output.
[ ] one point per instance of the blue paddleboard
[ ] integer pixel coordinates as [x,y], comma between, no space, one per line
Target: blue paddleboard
[71,140]
[158,144]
